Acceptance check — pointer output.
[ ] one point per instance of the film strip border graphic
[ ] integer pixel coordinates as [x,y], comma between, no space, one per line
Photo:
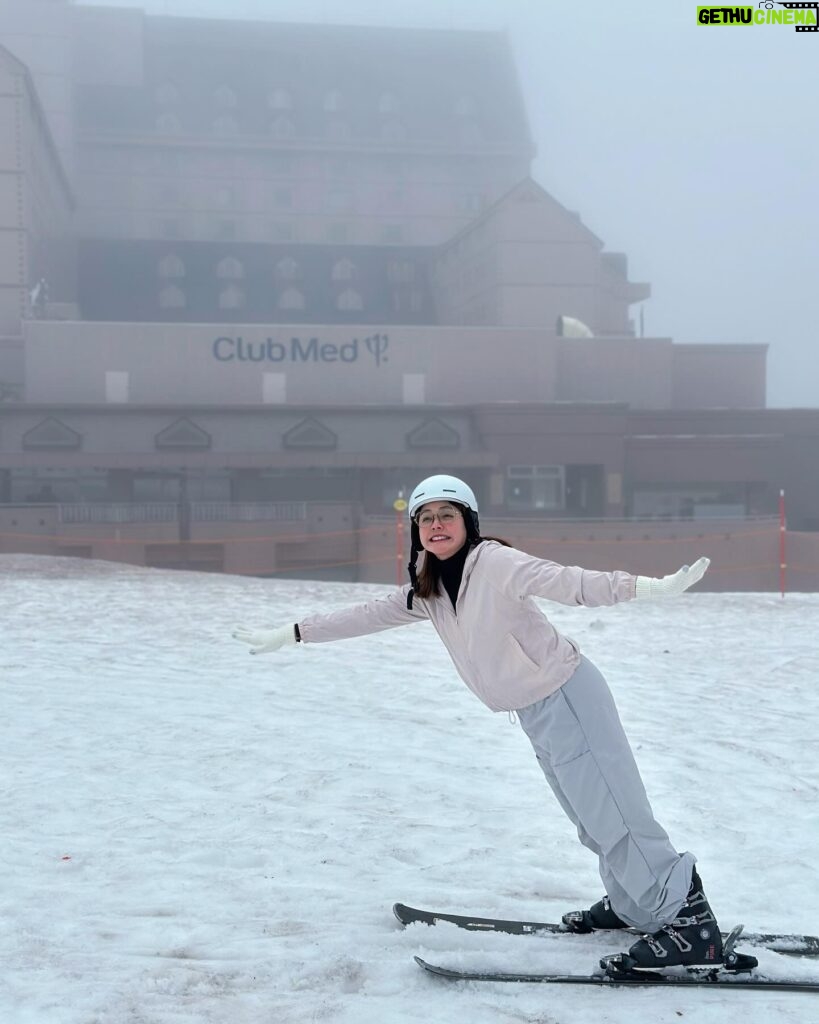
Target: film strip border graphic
[801,7]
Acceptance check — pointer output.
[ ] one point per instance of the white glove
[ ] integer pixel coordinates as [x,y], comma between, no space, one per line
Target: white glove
[263,640]
[671,586]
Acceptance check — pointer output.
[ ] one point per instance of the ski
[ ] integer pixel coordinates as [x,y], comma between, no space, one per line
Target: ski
[713,977]
[792,945]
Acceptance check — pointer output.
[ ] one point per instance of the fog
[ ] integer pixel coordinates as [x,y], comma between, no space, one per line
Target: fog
[692,149]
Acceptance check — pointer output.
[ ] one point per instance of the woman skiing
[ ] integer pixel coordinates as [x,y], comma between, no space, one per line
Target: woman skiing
[478,593]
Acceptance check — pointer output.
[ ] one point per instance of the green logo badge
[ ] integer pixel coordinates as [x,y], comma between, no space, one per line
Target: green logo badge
[803,16]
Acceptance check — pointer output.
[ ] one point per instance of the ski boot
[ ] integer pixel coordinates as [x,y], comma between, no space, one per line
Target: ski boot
[692,939]
[597,917]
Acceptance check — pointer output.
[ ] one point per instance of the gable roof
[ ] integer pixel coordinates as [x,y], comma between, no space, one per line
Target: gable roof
[19,68]
[526,190]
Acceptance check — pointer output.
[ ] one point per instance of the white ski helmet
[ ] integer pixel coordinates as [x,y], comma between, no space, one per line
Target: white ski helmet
[442,488]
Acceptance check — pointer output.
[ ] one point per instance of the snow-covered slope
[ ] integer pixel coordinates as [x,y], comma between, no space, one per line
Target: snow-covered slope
[192,836]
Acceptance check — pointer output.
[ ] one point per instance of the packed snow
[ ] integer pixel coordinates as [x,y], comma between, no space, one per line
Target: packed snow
[195,836]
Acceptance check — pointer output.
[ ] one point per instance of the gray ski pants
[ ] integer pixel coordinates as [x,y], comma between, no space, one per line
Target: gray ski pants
[586,758]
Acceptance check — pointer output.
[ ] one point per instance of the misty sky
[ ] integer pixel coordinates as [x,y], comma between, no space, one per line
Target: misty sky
[693,150]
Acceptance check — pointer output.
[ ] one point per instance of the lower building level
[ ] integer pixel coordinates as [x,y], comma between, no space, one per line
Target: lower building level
[310,491]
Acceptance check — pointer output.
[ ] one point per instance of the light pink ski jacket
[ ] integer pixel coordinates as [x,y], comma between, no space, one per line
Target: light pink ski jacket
[503,646]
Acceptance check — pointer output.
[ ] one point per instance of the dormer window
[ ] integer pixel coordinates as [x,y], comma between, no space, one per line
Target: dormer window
[225,125]
[232,297]
[465,106]
[287,269]
[349,301]
[282,128]
[344,270]
[333,102]
[225,98]
[401,271]
[172,297]
[168,124]
[388,103]
[338,130]
[279,99]
[170,266]
[230,269]
[291,298]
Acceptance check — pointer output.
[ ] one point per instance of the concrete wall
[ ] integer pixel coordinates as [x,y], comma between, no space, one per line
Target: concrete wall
[708,376]
[225,364]
[333,543]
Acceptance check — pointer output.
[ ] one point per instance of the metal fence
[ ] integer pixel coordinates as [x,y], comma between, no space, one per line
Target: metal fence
[169,512]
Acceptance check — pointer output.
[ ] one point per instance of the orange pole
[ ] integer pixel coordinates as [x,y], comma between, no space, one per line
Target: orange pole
[399,547]
[783,565]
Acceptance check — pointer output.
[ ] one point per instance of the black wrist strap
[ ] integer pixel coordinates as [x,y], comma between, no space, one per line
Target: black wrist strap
[297,632]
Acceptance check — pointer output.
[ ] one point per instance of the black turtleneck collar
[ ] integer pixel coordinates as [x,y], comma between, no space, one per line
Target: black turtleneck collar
[452,569]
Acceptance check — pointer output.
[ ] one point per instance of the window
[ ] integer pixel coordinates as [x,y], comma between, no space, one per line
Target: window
[338,234]
[340,199]
[280,166]
[338,167]
[227,230]
[344,270]
[281,231]
[393,131]
[392,234]
[170,228]
[225,98]
[232,297]
[287,269]
[689,501]
[333,101]
[168,124]
[338,130]
[282,128]
[224,197]
[168,195]
[291,298]
[172,297]
[46,485]
[470,132]
[349,301]
[472,202]
[400,271]
[535,488]
[279,99]
[225,125]
[170,265]
[230,269]
[388,103]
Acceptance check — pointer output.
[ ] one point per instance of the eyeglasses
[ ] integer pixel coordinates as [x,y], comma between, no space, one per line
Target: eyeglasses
[445,517]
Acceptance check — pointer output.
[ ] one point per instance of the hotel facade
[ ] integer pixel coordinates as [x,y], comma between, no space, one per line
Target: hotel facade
[257,279]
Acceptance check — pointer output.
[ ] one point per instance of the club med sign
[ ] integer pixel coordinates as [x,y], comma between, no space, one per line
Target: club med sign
[301,350]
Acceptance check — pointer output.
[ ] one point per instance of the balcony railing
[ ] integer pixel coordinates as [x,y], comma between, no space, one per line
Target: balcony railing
[169,512]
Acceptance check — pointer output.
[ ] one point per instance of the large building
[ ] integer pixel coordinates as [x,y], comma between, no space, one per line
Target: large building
[256,279]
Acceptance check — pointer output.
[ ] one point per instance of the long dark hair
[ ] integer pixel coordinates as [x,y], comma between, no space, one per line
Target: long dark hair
[428,579]
[425,582]
[429,574]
